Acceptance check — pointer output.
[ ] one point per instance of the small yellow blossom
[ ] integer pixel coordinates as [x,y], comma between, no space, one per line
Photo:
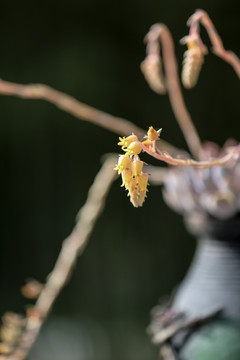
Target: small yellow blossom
[138,189]
[143,182]
[153,134]
[126,177]
[125,142]
[137,166]
[123,162]
[134,148]
[130,166]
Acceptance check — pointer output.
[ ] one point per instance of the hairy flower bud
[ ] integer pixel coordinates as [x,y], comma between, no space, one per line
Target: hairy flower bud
[134,148]
[153,134]
[193,60]
[125,142]
[152,70]
[137,166]
[127,175]
[123,162]
[138,189]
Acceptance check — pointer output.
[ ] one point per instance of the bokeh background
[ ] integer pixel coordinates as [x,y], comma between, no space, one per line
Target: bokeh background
[92,50]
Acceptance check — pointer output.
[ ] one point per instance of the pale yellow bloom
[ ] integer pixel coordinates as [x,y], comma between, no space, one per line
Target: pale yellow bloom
[137,166]
[130,166]
[138,189]
[153,134]
[143,182]
[134,148]
[123,162]
[127,177]
[125,142]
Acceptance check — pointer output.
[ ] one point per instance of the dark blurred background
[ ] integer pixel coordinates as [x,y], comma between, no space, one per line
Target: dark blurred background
[92,50]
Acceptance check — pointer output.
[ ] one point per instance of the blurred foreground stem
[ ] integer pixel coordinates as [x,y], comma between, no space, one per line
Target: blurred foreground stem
[72,247]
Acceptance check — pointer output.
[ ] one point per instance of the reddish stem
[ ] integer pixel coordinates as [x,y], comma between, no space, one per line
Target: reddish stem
[160,32]
[201,17]
[232,153]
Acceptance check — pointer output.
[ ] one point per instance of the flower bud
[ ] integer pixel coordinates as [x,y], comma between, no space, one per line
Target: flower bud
[134,148]
[125,142]
[126,177]
[123,162]
[153,134]
[137,166]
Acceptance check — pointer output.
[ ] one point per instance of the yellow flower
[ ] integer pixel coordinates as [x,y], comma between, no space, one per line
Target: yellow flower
[138,189]
[126,177]
[143,182]
[153,134]
[130,166]
[134,148]
[125,142]
[137,166]
[123,162]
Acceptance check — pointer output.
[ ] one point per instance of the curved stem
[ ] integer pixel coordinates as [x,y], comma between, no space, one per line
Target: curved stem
[74,107]
[160,32]
[201,17]
[232,153]
[72,247]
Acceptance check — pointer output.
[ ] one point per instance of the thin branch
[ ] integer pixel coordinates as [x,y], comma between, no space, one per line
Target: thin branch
[201,17]
[159,32]
[76,108]
[232,153]
[72,246]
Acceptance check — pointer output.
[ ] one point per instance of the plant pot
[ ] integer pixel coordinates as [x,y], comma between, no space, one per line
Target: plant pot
[211,284]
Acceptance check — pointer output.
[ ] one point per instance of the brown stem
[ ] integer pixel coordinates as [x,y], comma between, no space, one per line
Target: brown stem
[232,154]
[160,32]
[76,108]
[202,17]
[73,245]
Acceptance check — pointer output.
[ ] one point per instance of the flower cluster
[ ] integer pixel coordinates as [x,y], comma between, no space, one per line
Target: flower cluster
[130,166]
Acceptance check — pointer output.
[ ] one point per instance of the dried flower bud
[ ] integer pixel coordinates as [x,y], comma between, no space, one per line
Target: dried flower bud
[123,162]
[32,289]
[193,60]
[152,70]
